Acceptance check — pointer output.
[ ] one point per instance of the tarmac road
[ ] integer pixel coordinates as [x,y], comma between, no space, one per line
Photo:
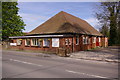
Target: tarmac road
[24,66]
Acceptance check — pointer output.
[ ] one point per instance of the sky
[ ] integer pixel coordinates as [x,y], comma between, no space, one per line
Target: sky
[36,13]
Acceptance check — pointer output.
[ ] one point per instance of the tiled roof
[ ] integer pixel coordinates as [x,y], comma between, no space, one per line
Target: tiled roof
[65,23]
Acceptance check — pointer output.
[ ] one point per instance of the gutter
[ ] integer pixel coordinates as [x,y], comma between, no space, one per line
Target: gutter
[41,36]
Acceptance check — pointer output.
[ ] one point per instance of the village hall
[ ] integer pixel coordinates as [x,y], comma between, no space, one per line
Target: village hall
[61,31]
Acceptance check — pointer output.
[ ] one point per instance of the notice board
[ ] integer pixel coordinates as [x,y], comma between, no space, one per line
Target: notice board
[55,42]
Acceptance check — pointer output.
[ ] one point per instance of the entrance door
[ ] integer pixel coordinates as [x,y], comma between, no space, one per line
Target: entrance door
[97,42]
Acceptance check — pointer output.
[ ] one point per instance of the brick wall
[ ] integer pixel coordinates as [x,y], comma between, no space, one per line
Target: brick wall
[72,46]
[23,47]
[50,48]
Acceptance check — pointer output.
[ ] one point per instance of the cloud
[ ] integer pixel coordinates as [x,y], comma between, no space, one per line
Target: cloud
[32,17]
[35,13]
[32,20]
[93,22]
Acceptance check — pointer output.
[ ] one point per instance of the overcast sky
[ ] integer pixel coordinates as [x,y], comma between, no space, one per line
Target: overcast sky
[36,13]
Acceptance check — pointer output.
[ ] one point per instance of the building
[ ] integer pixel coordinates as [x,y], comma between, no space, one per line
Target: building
[61,31]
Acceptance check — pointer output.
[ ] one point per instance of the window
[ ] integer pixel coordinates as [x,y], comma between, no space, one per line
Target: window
[85,40]
[70,41]
[40,42]
[77,40]
[94,39]
[106,40]
[19,41]
[66,42]
[46,42]
[99,39]
[34,42]
[89,41]
[27,42]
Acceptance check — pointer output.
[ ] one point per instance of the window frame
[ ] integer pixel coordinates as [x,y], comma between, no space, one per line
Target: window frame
[34,42]
[77,40]
[106,39]
[26,43]
[44,42]
[66,42]
[85,40]
[94,39]
[70,41]
[89,40]
[17,41]
[40,42]
[99,39]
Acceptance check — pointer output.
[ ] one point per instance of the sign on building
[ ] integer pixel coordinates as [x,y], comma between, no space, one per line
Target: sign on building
[13,44]
[55,42]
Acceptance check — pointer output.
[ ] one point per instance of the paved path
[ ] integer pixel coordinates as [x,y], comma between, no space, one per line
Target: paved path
[109,54]
[24,66]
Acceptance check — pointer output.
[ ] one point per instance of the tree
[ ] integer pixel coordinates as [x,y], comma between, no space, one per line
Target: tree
[12,24]
[118,24]
[104,30]
[0,21]
[108,15]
